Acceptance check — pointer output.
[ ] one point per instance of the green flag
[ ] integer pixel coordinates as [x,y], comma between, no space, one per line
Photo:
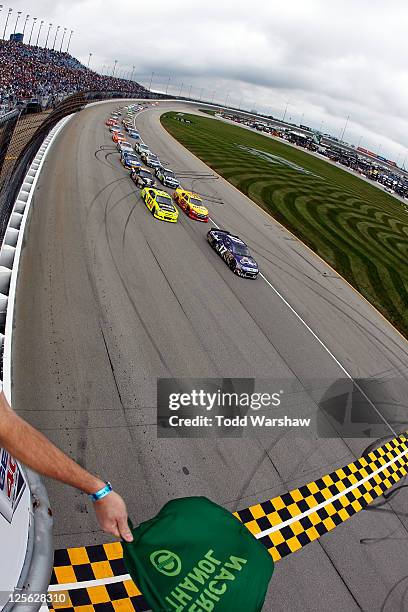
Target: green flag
[195,556]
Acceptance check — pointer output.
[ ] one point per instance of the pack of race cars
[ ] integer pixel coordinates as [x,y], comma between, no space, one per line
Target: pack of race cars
[142,162]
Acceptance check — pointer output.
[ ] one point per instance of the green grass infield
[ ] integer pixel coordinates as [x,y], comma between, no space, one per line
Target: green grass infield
[359,230]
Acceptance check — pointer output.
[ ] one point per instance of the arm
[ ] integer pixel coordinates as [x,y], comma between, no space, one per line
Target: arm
[30,447]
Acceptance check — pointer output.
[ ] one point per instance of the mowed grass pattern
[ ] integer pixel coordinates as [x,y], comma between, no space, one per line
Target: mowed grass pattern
[359,230]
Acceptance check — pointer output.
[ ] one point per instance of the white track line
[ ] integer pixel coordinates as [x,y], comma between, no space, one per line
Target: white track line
[323,345]
[310,330]
[298,517]
[88,583]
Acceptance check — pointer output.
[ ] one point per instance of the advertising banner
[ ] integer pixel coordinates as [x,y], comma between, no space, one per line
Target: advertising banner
[12,485]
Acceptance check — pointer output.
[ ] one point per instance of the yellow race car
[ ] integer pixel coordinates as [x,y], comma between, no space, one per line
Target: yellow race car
[160,205]
[192,204]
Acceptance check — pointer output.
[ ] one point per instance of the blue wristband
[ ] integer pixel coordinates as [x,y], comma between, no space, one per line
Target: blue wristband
[101,493]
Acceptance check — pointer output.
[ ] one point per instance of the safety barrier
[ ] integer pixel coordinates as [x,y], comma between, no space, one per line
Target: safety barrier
[25,517]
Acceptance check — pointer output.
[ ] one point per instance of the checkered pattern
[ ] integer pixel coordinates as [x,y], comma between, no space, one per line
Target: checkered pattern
[116,597]
[290,538]
[95,563]
[105,561]
[90,563]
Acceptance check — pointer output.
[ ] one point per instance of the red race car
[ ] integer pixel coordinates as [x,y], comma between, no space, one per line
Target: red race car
[191,203]
[118,137]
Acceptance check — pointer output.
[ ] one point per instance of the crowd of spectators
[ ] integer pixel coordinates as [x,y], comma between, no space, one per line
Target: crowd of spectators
[28,72]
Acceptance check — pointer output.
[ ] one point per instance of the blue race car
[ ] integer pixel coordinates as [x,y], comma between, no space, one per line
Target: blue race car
[133,133]
[130,160]
[234,252]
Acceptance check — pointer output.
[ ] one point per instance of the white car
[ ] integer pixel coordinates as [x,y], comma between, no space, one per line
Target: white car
[141,147]
[150,159]
[114,128]
[167,177]
[124,146]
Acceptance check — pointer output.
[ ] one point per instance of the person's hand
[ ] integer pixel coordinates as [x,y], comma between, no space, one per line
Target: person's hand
[112,516]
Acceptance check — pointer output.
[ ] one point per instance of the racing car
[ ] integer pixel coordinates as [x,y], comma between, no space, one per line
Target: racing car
[133,133]
[111,122]
[129,160]
[114,128]
[192,204]
[123,145]
[142,177]
[118,137]
[234,252]
[141,147]
[160,204]
[167,177]
[150,159]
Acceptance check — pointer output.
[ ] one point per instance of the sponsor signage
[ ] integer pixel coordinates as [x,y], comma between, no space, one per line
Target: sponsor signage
[12,485]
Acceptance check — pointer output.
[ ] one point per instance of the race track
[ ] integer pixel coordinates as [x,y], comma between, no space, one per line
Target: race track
[109,299]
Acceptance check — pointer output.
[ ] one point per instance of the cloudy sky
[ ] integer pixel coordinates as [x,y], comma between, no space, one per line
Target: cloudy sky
[320,60]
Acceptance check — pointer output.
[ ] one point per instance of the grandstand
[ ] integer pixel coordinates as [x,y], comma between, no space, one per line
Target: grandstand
[28,72]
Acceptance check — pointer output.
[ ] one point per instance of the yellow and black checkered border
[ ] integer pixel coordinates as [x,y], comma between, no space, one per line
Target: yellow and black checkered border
[99,562]
[116,597]
[77,565]
[88,563]
[282,509]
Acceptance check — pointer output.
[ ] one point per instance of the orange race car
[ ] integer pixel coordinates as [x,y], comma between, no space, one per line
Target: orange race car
[118,137]
[191,203]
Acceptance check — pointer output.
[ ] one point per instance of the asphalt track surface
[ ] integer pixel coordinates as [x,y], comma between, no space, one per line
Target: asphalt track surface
[109,299]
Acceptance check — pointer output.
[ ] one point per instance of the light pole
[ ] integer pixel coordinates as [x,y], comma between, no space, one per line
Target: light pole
[212,97]
[5,27]
[226,98]
[39,32]
[189,91]
[201,93]
[69,41]
[55,37]
[133,72]
[286,109]
[15,25]
[48,33]
[89,59]
[25,24]
[114,67]
[167,86]
[344,129]
[181,89]
[62,41]
[32,28]
[151,81]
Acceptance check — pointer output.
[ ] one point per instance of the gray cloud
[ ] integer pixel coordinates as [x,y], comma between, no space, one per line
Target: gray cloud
[328,60]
